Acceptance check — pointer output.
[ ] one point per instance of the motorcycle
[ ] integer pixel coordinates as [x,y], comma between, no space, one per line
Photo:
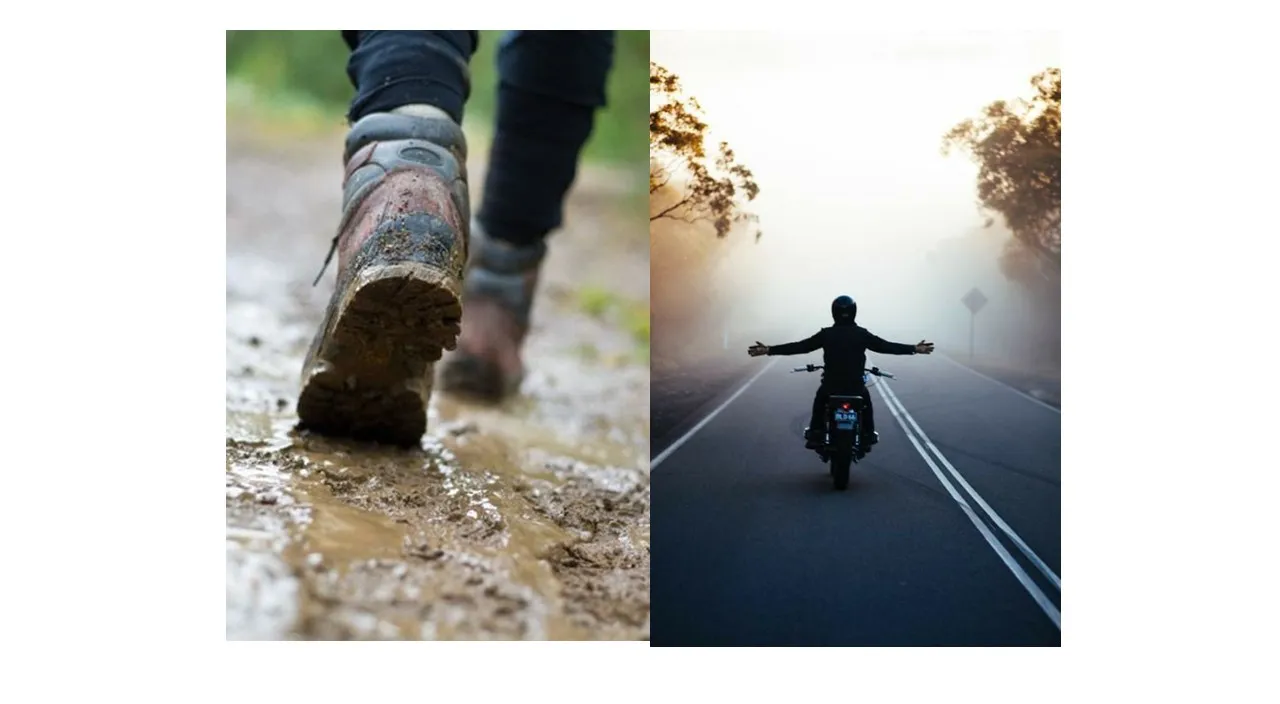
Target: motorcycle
[842,441]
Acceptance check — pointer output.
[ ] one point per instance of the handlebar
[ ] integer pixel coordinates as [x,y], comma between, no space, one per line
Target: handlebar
[874,371]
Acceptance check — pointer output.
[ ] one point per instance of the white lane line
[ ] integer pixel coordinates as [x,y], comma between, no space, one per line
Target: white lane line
[1020,574]
[995,517]
[676,445]
[1023,394]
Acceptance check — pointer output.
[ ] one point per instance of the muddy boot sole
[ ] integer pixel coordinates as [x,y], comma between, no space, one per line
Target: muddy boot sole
[374,381]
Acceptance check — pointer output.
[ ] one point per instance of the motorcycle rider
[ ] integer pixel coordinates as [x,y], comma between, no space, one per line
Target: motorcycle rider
[844,348]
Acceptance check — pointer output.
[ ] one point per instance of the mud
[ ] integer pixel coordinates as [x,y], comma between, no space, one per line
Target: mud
[525,521]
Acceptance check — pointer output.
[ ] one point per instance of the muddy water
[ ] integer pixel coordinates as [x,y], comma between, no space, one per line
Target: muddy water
[528,521]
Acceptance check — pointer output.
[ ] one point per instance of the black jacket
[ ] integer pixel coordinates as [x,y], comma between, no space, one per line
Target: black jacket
[844,351]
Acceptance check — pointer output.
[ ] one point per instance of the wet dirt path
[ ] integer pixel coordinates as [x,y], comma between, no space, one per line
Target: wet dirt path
[526,521]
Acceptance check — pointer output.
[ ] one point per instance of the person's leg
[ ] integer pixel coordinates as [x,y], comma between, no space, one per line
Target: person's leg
[815,433]
[551,84]
[392,69]
[401,240]
[869,434]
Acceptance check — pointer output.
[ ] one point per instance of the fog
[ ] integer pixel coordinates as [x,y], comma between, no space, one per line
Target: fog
[843,133]
[904,292]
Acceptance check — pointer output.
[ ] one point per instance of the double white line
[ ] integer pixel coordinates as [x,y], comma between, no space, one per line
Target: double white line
[922,441]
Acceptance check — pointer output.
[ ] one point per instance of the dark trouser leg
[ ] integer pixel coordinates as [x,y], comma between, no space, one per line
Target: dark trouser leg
[819,405]
[391,69]
[551,84]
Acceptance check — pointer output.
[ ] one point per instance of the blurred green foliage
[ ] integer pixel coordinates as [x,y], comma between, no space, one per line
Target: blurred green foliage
[304,72]
[604,304]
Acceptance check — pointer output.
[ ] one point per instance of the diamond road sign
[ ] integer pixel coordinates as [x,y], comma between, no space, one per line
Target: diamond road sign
[974,300]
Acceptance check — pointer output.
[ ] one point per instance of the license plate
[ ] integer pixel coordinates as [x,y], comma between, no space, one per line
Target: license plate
[845,419]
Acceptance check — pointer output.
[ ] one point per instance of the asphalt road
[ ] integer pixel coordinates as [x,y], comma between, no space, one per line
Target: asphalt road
[751,545]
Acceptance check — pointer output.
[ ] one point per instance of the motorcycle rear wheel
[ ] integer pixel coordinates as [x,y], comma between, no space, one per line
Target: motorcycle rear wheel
[840,463]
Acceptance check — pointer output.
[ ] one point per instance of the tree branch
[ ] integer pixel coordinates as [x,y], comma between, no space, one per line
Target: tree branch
[665,181]
[668,211]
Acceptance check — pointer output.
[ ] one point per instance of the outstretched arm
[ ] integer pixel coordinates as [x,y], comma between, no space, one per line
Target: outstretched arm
[877,344]
[802,347]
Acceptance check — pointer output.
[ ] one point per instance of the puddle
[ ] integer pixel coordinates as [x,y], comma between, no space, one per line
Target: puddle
[526,521]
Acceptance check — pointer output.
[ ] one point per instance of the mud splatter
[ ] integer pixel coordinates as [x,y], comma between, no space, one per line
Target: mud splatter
[526,521]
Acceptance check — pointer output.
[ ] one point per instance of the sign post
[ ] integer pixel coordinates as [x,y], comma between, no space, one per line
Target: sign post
[974,300]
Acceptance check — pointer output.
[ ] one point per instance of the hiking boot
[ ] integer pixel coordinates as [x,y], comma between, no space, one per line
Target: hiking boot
[402,247]
[498,296]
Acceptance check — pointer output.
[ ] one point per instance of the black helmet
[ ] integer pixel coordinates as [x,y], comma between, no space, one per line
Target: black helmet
[843,308]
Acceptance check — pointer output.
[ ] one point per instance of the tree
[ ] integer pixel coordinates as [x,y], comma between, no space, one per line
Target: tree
[1018,148]
[684,183]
